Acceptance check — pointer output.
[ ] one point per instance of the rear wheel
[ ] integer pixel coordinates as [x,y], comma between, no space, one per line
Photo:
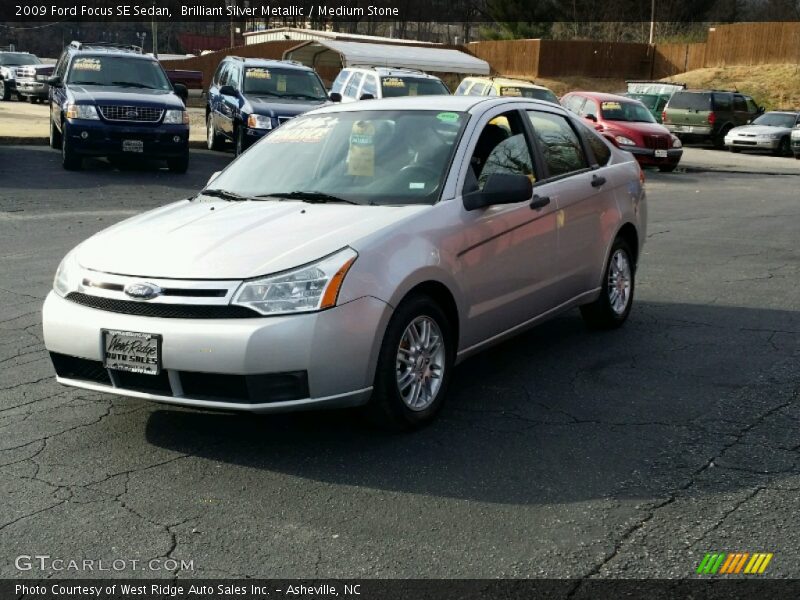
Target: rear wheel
[613,306]
[719,140]
[178,165]
[5,93]
[414,365]
[213,141]
[69,160]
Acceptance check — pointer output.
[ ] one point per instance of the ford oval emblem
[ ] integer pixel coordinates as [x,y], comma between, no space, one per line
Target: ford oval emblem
[143,291]
[132,114]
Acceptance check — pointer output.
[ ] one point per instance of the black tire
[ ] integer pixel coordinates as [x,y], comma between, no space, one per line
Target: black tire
[387,408]
[797,156]
[33,100]
[178,165]
[667,168]
[238,136]
[5,93]
[719,140]
[69,160]
[784,148]
[214,141]
[55,136]
[734,149]
[600,314]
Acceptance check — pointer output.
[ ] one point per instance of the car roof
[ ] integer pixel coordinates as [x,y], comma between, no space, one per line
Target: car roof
[393,72]
[602,97]
[783,112]
[110,52]
[267,62]
[509,81]
[442,103]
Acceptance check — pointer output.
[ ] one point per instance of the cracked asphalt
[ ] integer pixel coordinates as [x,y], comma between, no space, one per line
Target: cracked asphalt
[562,453]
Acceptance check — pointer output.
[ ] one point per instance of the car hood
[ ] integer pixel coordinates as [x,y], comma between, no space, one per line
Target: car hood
[122,96]
[269,107]
[215,239]
[760,130]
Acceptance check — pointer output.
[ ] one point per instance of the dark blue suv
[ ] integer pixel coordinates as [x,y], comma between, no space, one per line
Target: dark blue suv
[114,101]
[249,97]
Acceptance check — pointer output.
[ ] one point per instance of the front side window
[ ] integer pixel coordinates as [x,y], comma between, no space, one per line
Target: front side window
[120,71]
[370,86]
[352,85]
[393,157]
[412,86]
[562,149]
[739,104]
[635,112]
[477,89]
[283,83]
[600,149]
[574,103]
[501,148]
[461,90]
[338,83]
[752,107]
[722,101]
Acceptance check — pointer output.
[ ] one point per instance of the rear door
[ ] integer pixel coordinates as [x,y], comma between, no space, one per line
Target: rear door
[687,111]
[230,104]
[58,93]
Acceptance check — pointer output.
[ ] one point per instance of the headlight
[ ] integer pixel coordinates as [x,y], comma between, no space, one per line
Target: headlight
[176,117]
[676,143]
[625,141]
[68,275]
[82,111]
[307,289]
[259,122]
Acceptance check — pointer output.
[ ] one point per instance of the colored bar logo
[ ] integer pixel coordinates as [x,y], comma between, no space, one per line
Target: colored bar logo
[734,563]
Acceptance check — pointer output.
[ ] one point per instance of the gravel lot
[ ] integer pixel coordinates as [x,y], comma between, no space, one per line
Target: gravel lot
[562,453]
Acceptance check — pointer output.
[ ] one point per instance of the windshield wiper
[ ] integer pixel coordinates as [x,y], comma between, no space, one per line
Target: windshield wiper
[309,196]
[225,195]
[305,97]
[133,84]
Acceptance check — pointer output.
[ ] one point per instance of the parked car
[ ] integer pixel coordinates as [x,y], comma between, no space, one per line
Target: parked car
[796,142]
[32,82]
[360,253]
[653,94]
[771,131]
[114,101]
[368,83]
[193,80]
[503,86]
[628,124]
[9,63]
[249,97]
[698,115]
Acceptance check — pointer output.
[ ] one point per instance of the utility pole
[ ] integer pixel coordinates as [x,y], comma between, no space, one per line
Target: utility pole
[154,27]
[652,20]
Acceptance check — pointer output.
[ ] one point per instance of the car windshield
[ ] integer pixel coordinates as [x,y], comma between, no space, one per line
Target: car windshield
[528,92]
[283,83]
[616,110]
[690,101]
[14,60]
[411,86]
[122,71]
[776,120]
[396,157]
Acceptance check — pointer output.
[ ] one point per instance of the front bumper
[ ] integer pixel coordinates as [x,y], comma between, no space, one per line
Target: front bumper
[337,348]
[752,142]
[32,88]
[647,156]
[105,139]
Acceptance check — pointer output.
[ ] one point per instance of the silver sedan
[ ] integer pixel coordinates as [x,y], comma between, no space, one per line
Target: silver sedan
[353,257]
[771,131]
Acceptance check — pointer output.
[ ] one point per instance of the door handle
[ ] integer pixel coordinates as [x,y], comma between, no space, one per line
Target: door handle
[539,202]
[597,181]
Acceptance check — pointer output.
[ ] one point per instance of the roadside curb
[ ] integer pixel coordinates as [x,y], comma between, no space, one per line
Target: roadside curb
[8,140]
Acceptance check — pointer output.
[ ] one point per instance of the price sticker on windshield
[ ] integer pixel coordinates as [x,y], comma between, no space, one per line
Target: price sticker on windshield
[511,91]
[361,156]
[257,74]
[611,106]
[393,82]
[87,64]
[309,131]
[281,84]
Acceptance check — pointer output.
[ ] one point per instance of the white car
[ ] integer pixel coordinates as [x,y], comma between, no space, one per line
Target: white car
[353,256]
[369,83]
[771,131]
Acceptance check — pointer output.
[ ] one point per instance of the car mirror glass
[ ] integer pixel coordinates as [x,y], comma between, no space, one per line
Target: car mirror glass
[500,188]
[367,96]
[181,91]
[335,97]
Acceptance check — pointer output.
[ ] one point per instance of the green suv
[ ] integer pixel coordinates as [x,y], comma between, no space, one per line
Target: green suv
[708,115]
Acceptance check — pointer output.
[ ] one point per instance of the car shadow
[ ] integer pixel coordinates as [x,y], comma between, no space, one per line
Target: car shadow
[557,414]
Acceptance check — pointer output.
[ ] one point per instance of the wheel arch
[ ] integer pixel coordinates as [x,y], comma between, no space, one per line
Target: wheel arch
[442,295]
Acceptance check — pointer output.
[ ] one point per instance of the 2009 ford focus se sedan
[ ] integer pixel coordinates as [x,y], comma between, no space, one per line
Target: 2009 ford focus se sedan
[353,257]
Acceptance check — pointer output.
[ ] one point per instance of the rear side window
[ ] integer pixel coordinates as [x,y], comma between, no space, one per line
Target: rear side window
[690,101]
[338,83]
[352,86]
[461,90]
[370,86]
[562,148]
[600,149]
[477,89]
[723,102]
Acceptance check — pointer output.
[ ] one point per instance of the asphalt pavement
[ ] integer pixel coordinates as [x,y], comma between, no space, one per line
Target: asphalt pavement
[561,453]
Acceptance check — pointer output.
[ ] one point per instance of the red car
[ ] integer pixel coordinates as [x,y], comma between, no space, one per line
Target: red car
[628,124]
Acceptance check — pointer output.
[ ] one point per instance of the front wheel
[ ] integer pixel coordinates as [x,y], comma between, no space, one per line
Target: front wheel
[5,93]
[613,306]
[414,365]
[783,148]
[213,141]
[69,160]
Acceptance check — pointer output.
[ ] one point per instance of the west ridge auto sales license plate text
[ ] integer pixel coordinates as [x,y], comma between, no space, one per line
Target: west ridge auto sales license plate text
[132,351]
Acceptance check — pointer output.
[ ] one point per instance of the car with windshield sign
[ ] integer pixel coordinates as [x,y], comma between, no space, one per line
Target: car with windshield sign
[771,131]
[628,124]
[369,83]
[113,101]
[504,86]
[653,94]
[353,257]
[249,97]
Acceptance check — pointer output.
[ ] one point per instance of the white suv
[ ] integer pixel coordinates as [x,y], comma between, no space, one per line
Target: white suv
[367,83]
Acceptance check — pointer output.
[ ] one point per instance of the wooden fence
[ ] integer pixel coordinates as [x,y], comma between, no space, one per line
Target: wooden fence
[753,44]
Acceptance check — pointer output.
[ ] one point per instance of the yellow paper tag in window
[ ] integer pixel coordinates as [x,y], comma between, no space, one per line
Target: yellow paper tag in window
[361,156]
[611,106]
[412,89]
[281,85]
[257,74]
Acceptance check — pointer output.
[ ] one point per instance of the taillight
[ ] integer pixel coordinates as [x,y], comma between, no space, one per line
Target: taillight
[664,116]
[712,118]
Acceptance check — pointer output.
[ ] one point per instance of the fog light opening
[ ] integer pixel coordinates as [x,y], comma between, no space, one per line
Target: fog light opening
[84,135]
[176,139]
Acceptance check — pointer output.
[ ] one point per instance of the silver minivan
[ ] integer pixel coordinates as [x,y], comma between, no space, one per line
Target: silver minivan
[353,257]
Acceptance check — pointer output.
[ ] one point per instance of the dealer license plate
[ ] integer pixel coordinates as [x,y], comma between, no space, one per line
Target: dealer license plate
[661,154]
[132,146]
[132,351]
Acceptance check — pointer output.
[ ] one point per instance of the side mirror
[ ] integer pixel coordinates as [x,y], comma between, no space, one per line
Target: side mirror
[54,81]
[367,96]
[591,118]
[500,188]
[227,90]
[214,175]
[181,91]
[335,97]
[761,110]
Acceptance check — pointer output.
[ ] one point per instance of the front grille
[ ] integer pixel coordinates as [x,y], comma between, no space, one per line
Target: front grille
[72,367]
[657,142]
[255,389]
[744,143]
[26,72]
[138,114]
[164,311]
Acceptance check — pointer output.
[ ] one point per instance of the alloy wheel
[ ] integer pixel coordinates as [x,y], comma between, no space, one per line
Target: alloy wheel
[619,282]
[420,363]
